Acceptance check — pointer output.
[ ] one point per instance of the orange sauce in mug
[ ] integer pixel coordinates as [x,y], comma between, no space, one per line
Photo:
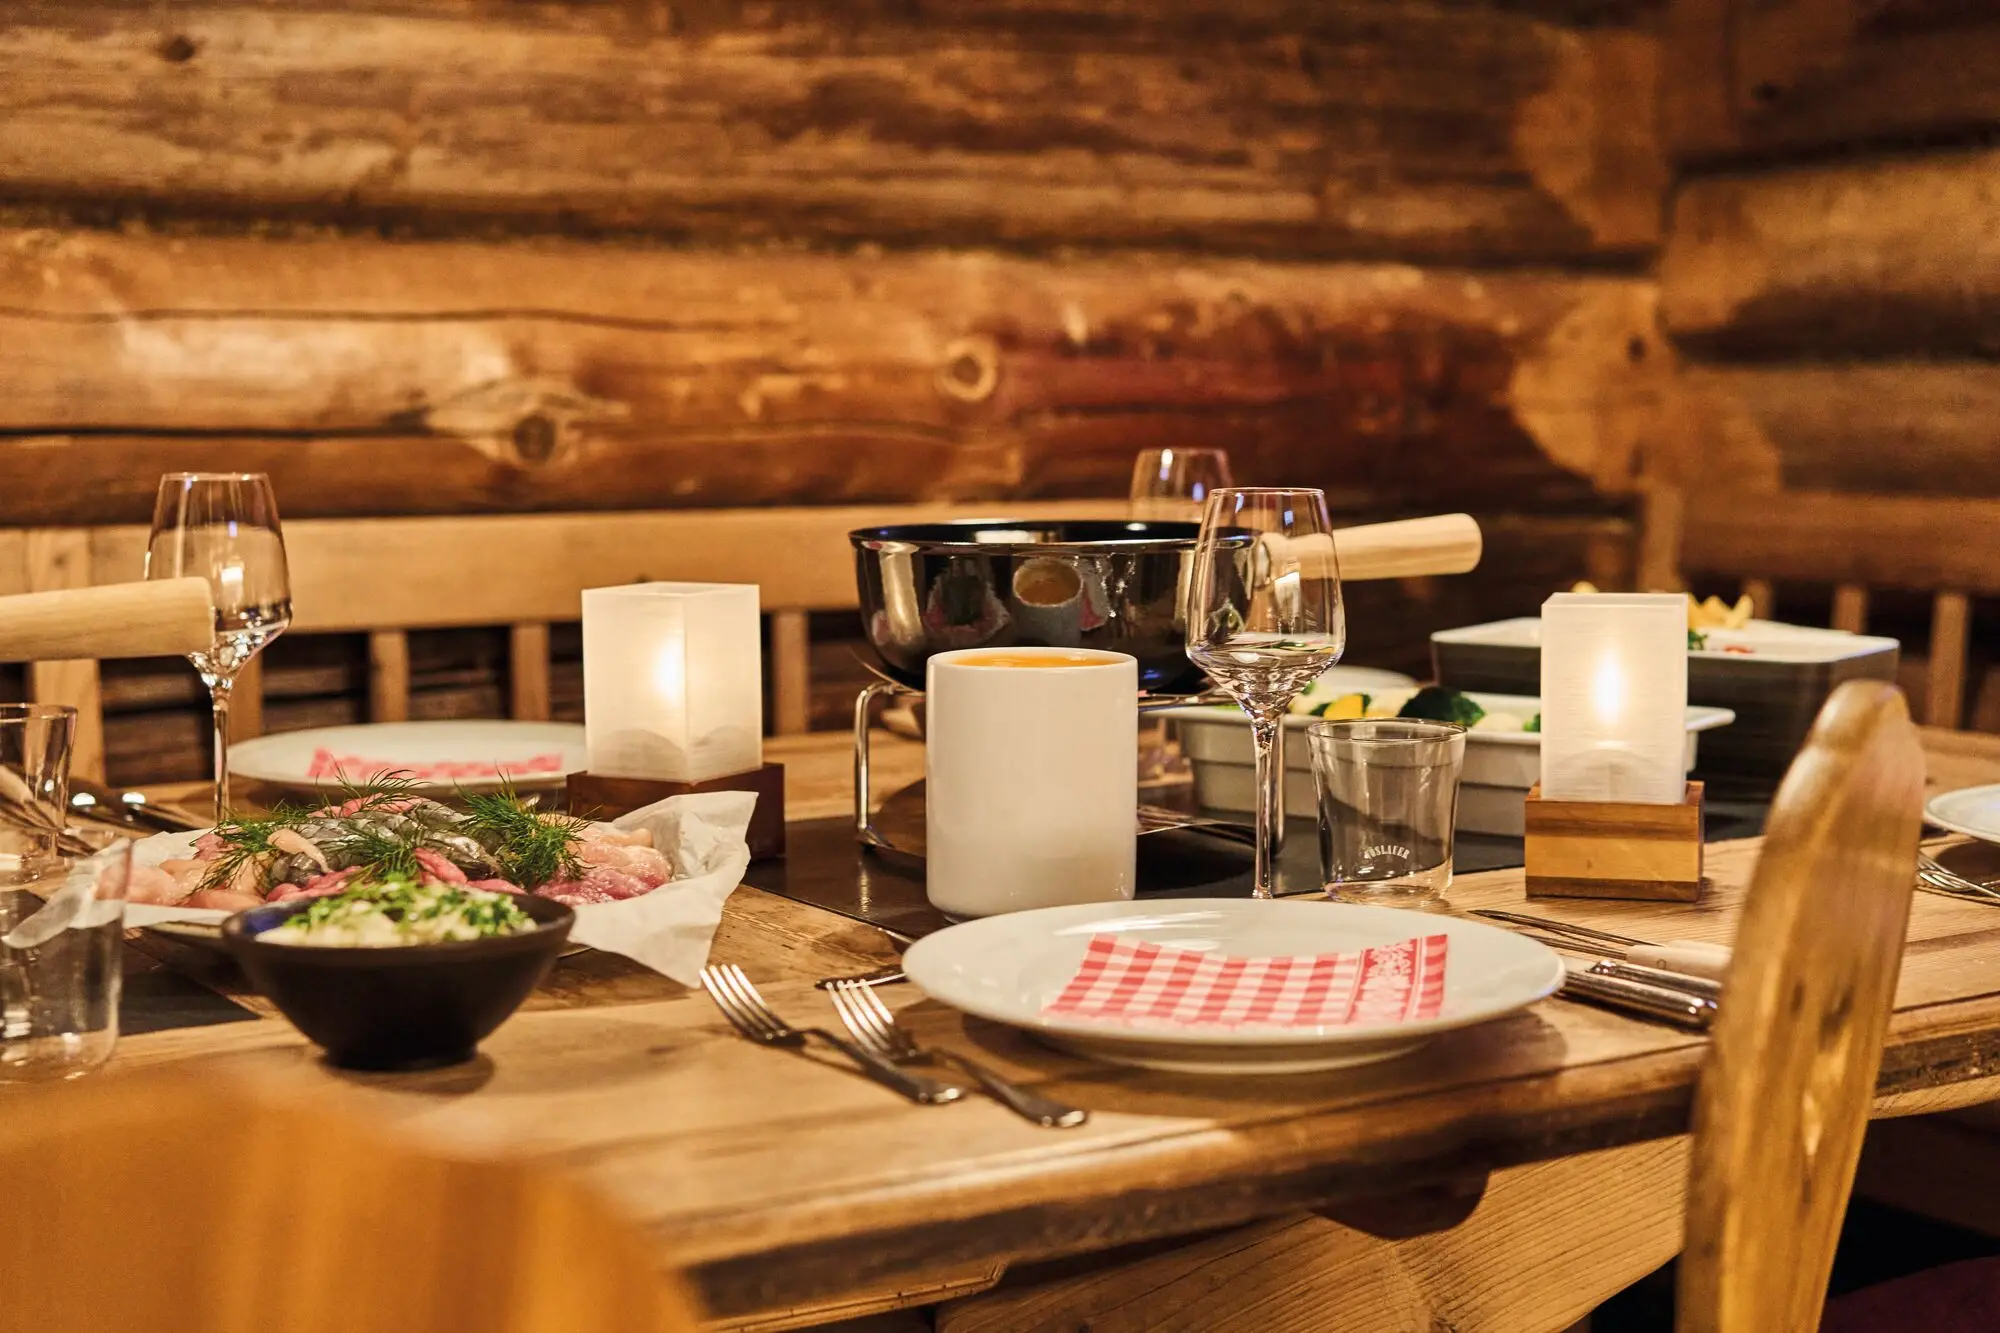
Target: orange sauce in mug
[1033,660]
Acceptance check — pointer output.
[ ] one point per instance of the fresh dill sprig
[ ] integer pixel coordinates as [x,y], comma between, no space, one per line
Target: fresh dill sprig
[530,849]
[245,837]
[376,852]
[374,792]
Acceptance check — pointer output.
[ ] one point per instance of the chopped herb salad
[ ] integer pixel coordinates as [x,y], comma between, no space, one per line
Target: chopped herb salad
[401,910]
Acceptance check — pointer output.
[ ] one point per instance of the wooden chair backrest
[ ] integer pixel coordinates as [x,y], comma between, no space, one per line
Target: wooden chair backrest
[1949,548]
[1784,1096]
[387,576]
[175,1204]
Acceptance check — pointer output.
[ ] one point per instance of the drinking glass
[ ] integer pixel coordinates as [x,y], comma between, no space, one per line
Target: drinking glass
[1174,484]
[1264,619]
[1171,485]
[35,742]
[223,527]
[1388,801]
[60,969]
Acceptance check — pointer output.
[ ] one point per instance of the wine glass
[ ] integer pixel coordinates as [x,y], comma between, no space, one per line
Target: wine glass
[1264,620]
[223,527]
[1173,484]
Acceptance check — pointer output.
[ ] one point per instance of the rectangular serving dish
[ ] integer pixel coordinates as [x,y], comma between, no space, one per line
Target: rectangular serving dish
[1500,766]
[1776,689]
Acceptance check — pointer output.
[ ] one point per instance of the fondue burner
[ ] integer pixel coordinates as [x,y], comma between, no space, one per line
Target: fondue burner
[865,831]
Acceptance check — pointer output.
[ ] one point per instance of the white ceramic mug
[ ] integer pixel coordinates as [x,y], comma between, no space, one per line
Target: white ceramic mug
[1031,782]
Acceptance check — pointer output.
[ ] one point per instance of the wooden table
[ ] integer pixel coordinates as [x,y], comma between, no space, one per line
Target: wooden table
[785,1183]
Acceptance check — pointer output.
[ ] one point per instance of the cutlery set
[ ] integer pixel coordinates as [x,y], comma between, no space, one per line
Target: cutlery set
[1935,876]
[1679,982]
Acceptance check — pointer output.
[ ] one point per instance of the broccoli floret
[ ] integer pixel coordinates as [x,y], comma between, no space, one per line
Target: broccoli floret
[1434,703]
[1534,723]
[1697,641]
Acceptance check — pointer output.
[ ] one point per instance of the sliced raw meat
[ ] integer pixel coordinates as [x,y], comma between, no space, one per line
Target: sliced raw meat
[439,867]
[150,884]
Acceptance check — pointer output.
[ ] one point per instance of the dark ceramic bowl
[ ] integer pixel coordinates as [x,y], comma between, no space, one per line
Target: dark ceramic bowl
[418,1006]
[1000,583]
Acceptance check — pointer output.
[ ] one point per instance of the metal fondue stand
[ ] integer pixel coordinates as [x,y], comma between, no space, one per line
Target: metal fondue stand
[865,831]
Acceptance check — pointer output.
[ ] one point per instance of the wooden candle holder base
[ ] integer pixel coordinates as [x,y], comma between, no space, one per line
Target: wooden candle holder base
[1610,849]
[600,797]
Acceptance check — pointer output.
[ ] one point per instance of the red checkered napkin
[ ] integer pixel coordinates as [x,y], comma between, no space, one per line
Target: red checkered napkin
[1141,984]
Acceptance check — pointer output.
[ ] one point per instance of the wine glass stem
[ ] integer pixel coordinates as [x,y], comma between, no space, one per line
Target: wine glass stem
[219,693]
[1267,732]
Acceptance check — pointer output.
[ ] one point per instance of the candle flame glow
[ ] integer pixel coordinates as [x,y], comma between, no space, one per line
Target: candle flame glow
[1607,690]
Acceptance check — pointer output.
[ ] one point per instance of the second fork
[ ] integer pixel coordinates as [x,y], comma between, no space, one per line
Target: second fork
[874,1026]
[749,1013]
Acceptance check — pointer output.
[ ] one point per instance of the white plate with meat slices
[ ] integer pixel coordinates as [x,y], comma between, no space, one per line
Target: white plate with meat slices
[467,755]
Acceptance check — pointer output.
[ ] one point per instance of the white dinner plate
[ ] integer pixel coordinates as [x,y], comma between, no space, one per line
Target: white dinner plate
[1759,641]
[469,755]
[1010,968]
[1973,811]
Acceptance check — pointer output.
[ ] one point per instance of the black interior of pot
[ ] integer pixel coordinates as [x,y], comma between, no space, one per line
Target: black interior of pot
[998,583]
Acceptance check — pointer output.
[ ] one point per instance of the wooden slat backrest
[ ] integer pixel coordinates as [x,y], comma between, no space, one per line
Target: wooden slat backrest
[184,1204]
[1949,548]
[387,576]
[1784,1095]
[501,569]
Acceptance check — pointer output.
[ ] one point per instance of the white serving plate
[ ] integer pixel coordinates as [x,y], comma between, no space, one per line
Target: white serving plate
[1768,640]
[1500,766]
[1009,968]
[468,755]
[1973,811]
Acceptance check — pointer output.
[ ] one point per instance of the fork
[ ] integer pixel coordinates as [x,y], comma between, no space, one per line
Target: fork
[864,1014]
[747,1012]
[1934,875]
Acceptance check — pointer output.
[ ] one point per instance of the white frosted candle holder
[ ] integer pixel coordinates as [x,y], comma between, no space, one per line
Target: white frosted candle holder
[1614,698]
[673,684]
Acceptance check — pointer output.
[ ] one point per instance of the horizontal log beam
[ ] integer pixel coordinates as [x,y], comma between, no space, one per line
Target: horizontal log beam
[1344,127]
[372,377]
[1818,537]
[1890,256]
[1781,76]
[1899,428]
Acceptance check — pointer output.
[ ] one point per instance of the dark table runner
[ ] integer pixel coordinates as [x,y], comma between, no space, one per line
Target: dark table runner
[155,998]
[825,867]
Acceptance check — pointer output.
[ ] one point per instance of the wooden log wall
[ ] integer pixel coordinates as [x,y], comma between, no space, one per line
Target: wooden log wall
[437,256]
[1831,283]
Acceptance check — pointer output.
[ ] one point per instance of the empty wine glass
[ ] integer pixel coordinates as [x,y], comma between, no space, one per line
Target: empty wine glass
[1264,620]
[1174,484]
[223,527]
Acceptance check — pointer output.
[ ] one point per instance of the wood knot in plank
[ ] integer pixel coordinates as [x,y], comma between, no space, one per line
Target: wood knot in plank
[519,420]
[535,438]
[178,49]
[971,370]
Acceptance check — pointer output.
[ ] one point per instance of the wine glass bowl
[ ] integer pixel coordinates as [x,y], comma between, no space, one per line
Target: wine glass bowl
[1264,619]
[1171,485]
[222,527]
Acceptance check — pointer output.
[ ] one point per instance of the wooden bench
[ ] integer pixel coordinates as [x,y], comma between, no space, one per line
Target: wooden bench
[388,576]
[1947,548]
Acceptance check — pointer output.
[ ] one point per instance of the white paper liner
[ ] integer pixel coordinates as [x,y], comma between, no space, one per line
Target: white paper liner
[668,930]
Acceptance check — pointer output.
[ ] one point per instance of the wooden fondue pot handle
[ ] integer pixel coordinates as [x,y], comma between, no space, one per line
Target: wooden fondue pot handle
[163,618]
[1408,548]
